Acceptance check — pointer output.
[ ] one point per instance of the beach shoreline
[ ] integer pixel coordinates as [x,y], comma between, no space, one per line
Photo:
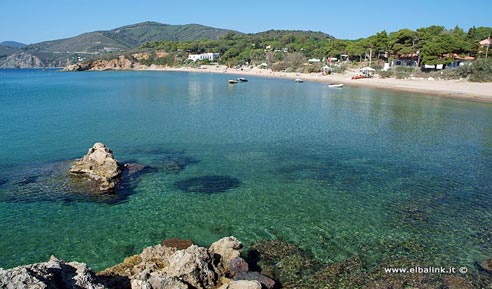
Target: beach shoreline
[456,89]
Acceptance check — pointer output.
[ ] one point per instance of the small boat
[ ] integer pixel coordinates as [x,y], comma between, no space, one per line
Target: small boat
[232,81]
[298,80]
[242,79]
[335,85]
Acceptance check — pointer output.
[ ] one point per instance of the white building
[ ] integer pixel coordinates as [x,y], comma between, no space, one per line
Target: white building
[203,56]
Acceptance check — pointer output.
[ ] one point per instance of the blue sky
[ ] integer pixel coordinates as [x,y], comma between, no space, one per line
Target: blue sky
[31,21]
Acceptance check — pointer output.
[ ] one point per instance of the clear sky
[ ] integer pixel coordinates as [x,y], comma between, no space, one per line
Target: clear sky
[31,21]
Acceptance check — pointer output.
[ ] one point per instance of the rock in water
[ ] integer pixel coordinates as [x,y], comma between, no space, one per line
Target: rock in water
[54,274]
[486,265]
[100,166]
[226,249]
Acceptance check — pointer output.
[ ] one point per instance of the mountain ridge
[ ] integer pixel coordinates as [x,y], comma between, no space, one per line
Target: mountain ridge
[13,44]
[61,52]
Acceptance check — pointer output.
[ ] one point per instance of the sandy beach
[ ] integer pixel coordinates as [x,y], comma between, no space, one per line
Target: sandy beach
[459,89]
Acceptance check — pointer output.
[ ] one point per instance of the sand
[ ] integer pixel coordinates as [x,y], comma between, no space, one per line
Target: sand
[460,89]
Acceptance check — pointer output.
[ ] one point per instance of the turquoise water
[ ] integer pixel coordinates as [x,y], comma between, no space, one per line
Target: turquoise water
[353,172]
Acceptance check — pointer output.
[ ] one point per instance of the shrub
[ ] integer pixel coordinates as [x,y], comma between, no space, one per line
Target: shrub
[481,70]
[385,74]
[341,68]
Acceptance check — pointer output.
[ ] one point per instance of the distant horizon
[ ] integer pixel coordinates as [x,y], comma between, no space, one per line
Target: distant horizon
[32,22]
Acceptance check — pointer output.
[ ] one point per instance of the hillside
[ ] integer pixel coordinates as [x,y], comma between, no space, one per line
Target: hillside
[137,34]
[13,44]
[6,51]
[64,51]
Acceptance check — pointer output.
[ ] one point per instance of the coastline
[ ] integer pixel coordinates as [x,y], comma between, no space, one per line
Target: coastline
[456,89]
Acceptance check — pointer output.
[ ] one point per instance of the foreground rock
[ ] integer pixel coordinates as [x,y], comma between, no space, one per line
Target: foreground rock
[100,166]
[54,274]
[157,267]
[164,266]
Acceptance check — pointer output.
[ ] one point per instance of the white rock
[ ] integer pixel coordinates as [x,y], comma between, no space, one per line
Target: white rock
[243,284]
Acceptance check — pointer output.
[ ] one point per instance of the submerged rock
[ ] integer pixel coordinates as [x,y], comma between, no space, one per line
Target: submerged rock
[100,166]
[486,265]
[54,274]
[208,184]
[3,181]
[179,244]
[27,180]
[175,163]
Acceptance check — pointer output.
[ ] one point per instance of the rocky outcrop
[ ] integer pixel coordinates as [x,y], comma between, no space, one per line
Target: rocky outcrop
[54,274]
[194,266]
[22,59]
[100,166]
[77,67]
[157,267]
[226,249]
[120,63]
[161,266]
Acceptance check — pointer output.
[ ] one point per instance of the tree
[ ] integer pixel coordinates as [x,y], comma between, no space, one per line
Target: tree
[402,42]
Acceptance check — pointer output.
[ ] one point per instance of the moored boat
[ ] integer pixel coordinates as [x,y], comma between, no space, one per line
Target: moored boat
[298,80]
[232,81]
[242,79]
[335,85]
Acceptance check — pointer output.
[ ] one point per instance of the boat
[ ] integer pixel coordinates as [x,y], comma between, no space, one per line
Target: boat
[242,79]
[232,81]
[298,80]
[335,85]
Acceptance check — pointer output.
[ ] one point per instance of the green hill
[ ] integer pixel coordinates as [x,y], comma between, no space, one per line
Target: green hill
[137,34]
[127,37]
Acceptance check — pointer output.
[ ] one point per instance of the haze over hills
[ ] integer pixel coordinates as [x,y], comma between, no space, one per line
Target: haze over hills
[61,52]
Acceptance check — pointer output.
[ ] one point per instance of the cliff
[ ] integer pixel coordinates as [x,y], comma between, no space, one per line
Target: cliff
[32,59]
[120,63]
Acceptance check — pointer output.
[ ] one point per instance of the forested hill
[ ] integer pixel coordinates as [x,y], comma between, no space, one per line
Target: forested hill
[431,45]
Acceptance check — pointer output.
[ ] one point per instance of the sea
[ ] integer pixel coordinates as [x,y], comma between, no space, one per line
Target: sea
[341,173]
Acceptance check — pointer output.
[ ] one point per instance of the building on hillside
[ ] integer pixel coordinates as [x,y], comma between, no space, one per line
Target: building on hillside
[204,56]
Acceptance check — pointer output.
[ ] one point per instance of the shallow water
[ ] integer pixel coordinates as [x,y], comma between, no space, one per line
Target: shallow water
[373,173]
